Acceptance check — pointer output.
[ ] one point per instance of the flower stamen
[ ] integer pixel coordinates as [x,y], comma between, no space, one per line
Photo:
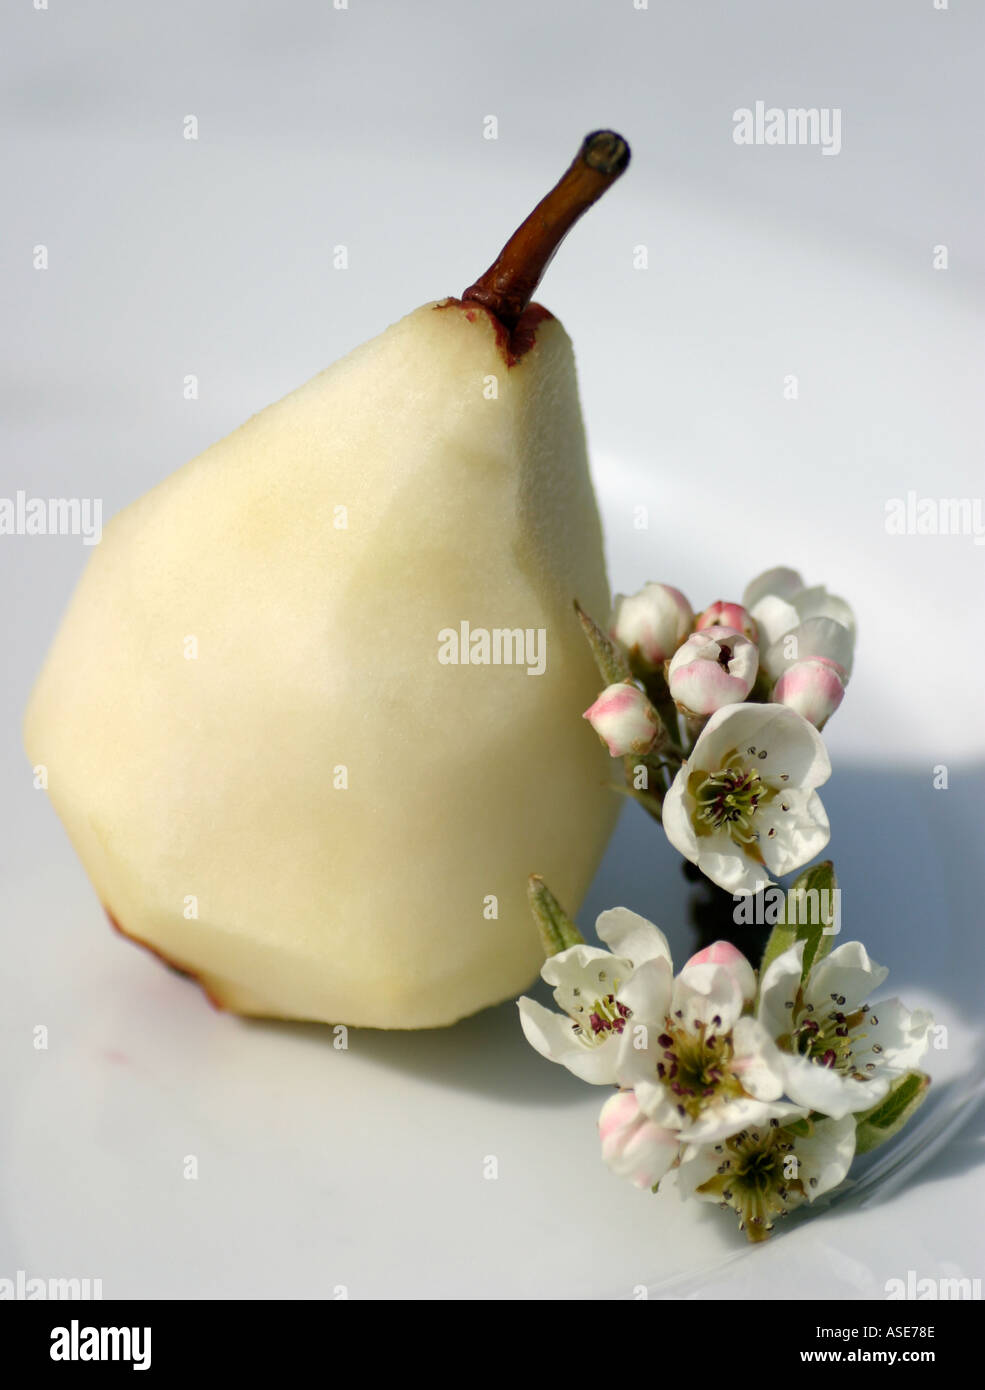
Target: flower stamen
[729,799]
[696,1067]
[605,1017]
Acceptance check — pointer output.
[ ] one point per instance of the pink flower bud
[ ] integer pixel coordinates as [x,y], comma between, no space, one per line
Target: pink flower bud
[723,953]
[633,1146]
[713,668]
[624,719]
[652,624]
[731,615]
[814,688]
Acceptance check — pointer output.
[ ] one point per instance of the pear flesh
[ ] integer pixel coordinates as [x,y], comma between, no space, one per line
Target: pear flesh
[269,775]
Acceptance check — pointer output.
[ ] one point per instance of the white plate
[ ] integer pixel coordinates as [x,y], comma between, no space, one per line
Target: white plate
[367,1169]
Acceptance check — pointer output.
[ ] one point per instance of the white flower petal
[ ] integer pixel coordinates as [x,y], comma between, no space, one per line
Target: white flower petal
[618,1112]
[782,581]
[826,1156]
[757,1062]
[714,667]
[572,962]
[725,731]
[795,751]
[647,993]
[553,1036]
[901,1036]
[845,979]
[639,1051]
[725,954]
[700,1163]
[788,754]
[774,616]
[833,1093]
[624,719]
[676,817]
[788,750]
[657,1104]
[631,936]
[800,831]
[815,637]
[818,603]
[719,859]
[705,994]
[632,1145]
[814,688]
[720,1121]
[778,990]
[652,623]
[583,974]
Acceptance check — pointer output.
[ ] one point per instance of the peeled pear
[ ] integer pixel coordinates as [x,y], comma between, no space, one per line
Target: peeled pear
[273,773]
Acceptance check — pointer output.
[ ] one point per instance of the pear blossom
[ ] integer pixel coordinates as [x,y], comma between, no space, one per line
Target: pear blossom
[731,959]
[633,1146]
[712,668]
[765,1171]
[743,805]
[588,983]
[697,1062]
[780,582]
[797,623]
[651,624]
[841,1053]
[624,719]
[814,688]
[731,615]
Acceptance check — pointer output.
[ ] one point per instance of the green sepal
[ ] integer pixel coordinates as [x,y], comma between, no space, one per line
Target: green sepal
[762,689]
[803,1127]
[906,1095]
[557,931]
[611,660]
[803,919]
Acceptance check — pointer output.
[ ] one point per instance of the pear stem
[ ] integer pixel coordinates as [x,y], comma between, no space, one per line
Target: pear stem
[507,286]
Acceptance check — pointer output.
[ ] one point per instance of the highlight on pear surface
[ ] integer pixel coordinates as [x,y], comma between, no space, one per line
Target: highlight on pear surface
[270,775]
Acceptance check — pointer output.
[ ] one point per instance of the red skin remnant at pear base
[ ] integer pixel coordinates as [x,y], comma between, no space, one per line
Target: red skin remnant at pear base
[166,960]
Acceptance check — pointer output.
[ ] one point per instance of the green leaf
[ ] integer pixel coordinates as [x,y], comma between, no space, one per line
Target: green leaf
[809,908]
[610,659]
[557,931]
[873,1127]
